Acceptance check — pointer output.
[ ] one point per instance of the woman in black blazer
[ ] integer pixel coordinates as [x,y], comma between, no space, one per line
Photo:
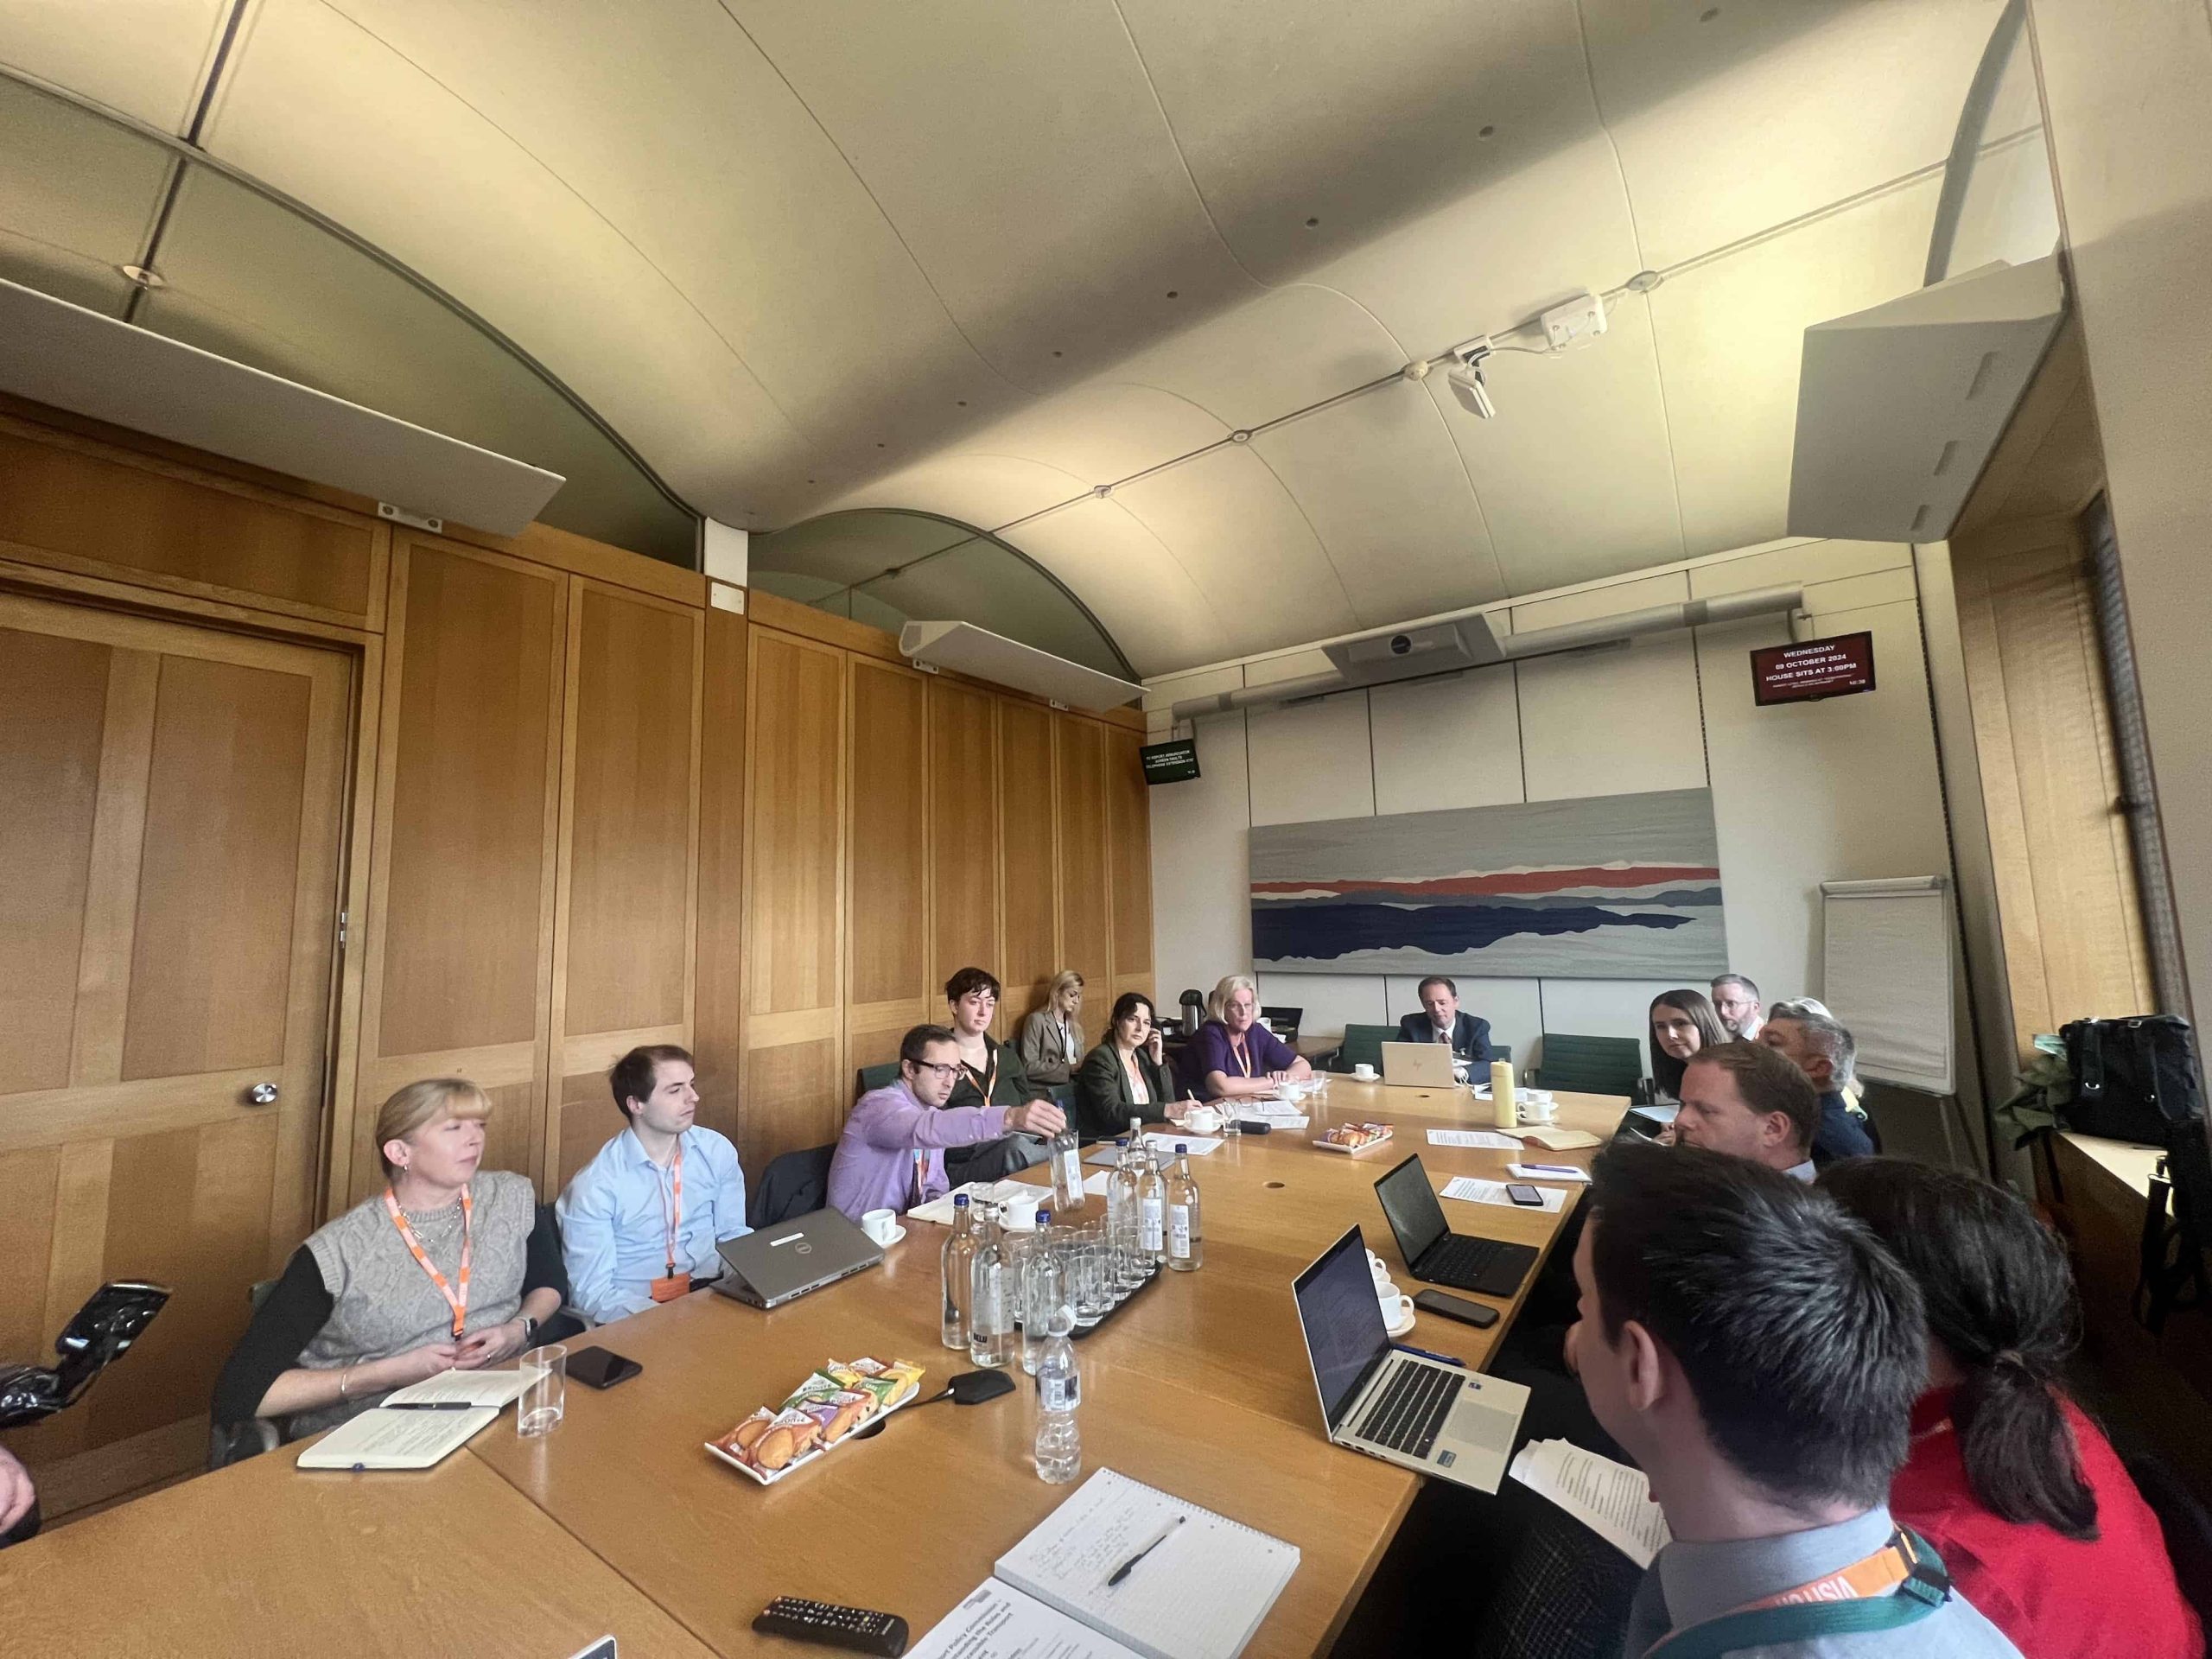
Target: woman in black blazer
[1125,1076]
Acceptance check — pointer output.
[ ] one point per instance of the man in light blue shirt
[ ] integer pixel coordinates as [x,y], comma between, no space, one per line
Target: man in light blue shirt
[641,1220]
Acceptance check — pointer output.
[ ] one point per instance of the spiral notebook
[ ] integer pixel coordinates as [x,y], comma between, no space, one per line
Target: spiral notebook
[1199,1593]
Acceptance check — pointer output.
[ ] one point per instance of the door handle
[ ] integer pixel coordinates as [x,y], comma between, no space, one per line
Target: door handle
[263,1094]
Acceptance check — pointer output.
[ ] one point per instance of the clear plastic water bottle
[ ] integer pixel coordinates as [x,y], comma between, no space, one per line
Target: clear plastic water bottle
[990,1311]
[1151,1211]
[1059,1391]
[1185,1247]
[1045,1299]
[1124,1232]
[1066,1152]
[959,1263]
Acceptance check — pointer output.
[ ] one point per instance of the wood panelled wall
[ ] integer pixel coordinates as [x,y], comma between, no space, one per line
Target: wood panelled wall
[565,806]
[900,826]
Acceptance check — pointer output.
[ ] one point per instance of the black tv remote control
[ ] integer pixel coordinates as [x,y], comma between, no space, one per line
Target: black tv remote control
[855,1628]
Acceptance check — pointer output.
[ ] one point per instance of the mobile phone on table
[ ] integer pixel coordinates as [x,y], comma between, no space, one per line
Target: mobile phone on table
[1521,1193]
[601,1368]
[1455,1307]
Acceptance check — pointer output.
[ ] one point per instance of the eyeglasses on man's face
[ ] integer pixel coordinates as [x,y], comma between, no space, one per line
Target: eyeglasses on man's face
[946,1070]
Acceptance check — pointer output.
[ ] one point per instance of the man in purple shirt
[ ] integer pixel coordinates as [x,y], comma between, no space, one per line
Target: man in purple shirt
[891,1153]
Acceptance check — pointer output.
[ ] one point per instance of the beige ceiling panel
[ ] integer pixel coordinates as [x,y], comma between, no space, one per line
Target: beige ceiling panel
[983,490]
[1104,430]
[77,185]
[700,154]
[1024,159]
[1382,486]
[325,112]
[1731,336]
[1131,581]
[1499,256]
[66,276]
[1734,119]
[145,58]
[1229,522]
[1615,599]
[1575,475]
[1315,109]
[1256,362]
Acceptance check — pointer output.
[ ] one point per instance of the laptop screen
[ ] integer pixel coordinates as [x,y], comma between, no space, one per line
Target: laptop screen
[1345,1333]
[1410,1206]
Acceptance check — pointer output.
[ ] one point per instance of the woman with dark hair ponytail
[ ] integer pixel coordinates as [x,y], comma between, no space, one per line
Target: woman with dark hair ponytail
[2020,1494]
[1680,1023]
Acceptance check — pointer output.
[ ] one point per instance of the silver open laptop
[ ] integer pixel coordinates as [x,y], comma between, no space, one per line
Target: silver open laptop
[1442,1419]
[770,1266]
[1421,1065]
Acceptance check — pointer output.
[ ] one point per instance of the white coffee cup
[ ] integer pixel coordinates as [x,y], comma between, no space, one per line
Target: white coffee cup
[1364,1071]
[1202,1120]
[881,1224]
[1540,1108]
[1397,1307]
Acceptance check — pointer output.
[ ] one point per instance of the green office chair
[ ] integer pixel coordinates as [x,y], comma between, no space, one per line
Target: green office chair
[1502,1051]
[869,1077]
[1589,1065]
[1363,1045]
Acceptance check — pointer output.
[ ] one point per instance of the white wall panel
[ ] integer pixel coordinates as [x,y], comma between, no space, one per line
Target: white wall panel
[1448,742]
[1613,722]
[1330,1001]
[1311,761]
[1201,882]
[1840,790]
[146,58]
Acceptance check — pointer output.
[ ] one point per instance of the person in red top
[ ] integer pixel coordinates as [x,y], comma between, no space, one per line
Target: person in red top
[2020,1494]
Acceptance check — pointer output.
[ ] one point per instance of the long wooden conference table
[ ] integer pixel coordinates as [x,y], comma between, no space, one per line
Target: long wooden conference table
[619,1523]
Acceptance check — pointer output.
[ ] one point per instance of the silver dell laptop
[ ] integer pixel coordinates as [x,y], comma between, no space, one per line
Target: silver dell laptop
[771,1265]
[1445,1421]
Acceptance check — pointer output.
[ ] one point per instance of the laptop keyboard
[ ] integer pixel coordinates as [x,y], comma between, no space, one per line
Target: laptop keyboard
[1410,1412]
[1464,1256]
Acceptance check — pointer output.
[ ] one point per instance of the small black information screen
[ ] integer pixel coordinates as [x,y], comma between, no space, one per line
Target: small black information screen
[1170,763]
[1820,668]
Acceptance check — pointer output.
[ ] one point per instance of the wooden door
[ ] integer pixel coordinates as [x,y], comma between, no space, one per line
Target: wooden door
[1086,927]
[459,937]
[1128,824]
[963,834]
[1029,859]
[168,913]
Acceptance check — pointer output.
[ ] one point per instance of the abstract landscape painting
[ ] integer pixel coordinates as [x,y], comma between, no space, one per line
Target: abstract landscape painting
[1609,886]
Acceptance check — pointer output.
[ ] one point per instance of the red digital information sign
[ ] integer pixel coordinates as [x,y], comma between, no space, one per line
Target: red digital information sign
[1817,669]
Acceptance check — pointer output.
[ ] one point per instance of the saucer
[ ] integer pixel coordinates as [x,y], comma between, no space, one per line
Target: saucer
[1394,1332]
[897,1233]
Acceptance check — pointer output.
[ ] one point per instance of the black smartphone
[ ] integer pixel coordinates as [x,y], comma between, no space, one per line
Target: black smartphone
[602,1368]
[1455,1307]
[1521,1192]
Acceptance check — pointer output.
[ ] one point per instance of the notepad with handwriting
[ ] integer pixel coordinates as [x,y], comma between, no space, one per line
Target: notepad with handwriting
[388,1438]
[1200,1594]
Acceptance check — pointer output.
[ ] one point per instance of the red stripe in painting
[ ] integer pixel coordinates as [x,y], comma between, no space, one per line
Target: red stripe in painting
[1637,875]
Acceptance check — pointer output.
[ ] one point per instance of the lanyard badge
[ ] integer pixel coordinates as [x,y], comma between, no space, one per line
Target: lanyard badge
[676,1284]
[457,1303]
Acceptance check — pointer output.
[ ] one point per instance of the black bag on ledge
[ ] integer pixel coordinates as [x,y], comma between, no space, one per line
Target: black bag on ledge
[2136,1080]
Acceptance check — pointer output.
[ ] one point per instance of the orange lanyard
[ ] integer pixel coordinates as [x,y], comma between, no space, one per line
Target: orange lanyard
[459,1304]
[675,1222]
[986,1082]
[1877,1574]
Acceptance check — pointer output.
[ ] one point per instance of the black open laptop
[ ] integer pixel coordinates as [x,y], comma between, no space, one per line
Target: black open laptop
[1433,1251]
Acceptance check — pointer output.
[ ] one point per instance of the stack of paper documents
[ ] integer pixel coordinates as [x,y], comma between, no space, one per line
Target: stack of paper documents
[1611,1499]
[1480,1140]
[1475,1190]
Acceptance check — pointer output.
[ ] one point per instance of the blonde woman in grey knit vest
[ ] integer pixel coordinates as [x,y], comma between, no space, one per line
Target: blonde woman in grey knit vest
[448,1268]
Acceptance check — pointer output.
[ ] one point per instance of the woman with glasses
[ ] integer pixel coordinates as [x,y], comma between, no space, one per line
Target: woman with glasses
[891,1153]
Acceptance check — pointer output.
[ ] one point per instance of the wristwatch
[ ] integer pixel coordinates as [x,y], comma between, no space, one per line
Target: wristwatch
[529,1328]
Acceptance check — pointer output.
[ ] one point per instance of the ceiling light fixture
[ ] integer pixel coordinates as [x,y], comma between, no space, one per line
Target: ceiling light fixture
[1466,375]
[144,275]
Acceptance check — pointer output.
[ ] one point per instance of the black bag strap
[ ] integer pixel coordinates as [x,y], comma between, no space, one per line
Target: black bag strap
[2089,1062]
[1927,1588]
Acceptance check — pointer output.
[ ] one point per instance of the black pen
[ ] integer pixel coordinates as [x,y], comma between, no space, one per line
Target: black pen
[1129,1565]
[429,1405]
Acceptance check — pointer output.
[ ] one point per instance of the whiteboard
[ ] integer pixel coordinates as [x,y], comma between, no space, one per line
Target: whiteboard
[1888,977]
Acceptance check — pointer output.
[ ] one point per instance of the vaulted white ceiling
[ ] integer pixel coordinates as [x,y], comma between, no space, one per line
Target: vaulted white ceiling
[980,257]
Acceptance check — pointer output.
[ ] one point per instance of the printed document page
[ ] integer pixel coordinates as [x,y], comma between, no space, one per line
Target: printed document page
[493,1389]
[395,1439]
[1481,1140]
[1611,1499]
[1475,1190]
[998,1622]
